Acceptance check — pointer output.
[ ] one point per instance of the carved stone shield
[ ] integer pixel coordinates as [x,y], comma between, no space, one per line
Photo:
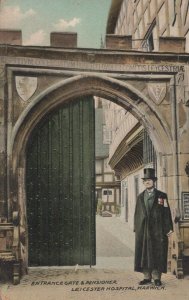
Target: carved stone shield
[26,86]
[157,91]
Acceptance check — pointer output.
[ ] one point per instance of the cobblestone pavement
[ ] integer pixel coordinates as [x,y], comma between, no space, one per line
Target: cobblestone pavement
[111,278]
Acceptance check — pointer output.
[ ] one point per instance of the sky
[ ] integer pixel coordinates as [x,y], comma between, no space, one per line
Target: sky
[37,18]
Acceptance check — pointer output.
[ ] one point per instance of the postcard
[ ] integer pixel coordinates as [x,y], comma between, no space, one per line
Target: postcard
[94,161]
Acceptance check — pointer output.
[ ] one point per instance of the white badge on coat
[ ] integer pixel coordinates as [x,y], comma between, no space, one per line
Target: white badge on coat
[165,203]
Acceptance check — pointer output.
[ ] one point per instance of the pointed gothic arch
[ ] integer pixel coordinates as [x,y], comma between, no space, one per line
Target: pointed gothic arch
[120,92]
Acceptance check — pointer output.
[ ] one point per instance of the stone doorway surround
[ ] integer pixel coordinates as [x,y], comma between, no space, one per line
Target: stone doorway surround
[148,85]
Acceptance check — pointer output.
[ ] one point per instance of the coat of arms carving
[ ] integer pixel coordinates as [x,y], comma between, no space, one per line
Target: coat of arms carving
[157,91]
[26,86]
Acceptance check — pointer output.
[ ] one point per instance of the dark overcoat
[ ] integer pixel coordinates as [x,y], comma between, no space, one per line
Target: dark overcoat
[151,241]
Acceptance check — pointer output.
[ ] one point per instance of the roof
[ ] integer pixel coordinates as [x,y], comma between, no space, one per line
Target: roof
[113,15]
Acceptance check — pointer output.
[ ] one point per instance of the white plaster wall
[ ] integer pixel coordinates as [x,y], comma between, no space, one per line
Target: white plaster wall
[131,196]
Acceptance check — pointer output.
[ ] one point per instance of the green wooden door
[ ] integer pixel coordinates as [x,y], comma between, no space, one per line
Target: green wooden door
[60,181]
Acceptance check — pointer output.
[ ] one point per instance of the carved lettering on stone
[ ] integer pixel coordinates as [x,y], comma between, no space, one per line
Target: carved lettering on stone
[26,86]
[157,91]
[88,65]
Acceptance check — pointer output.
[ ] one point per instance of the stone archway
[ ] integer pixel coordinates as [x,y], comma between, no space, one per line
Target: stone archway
[115,90]
[66,90]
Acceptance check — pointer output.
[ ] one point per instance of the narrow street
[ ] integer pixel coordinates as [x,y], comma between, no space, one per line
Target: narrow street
[114,244]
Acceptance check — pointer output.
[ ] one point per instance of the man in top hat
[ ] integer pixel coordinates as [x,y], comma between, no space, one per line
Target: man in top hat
[152,226]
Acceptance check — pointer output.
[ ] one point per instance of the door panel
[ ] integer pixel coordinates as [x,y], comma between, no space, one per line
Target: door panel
[60,180]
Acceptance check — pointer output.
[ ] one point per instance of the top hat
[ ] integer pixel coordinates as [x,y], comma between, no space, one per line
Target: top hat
[149,173]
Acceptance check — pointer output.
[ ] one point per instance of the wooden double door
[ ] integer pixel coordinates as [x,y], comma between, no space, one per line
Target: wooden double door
[60,187]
